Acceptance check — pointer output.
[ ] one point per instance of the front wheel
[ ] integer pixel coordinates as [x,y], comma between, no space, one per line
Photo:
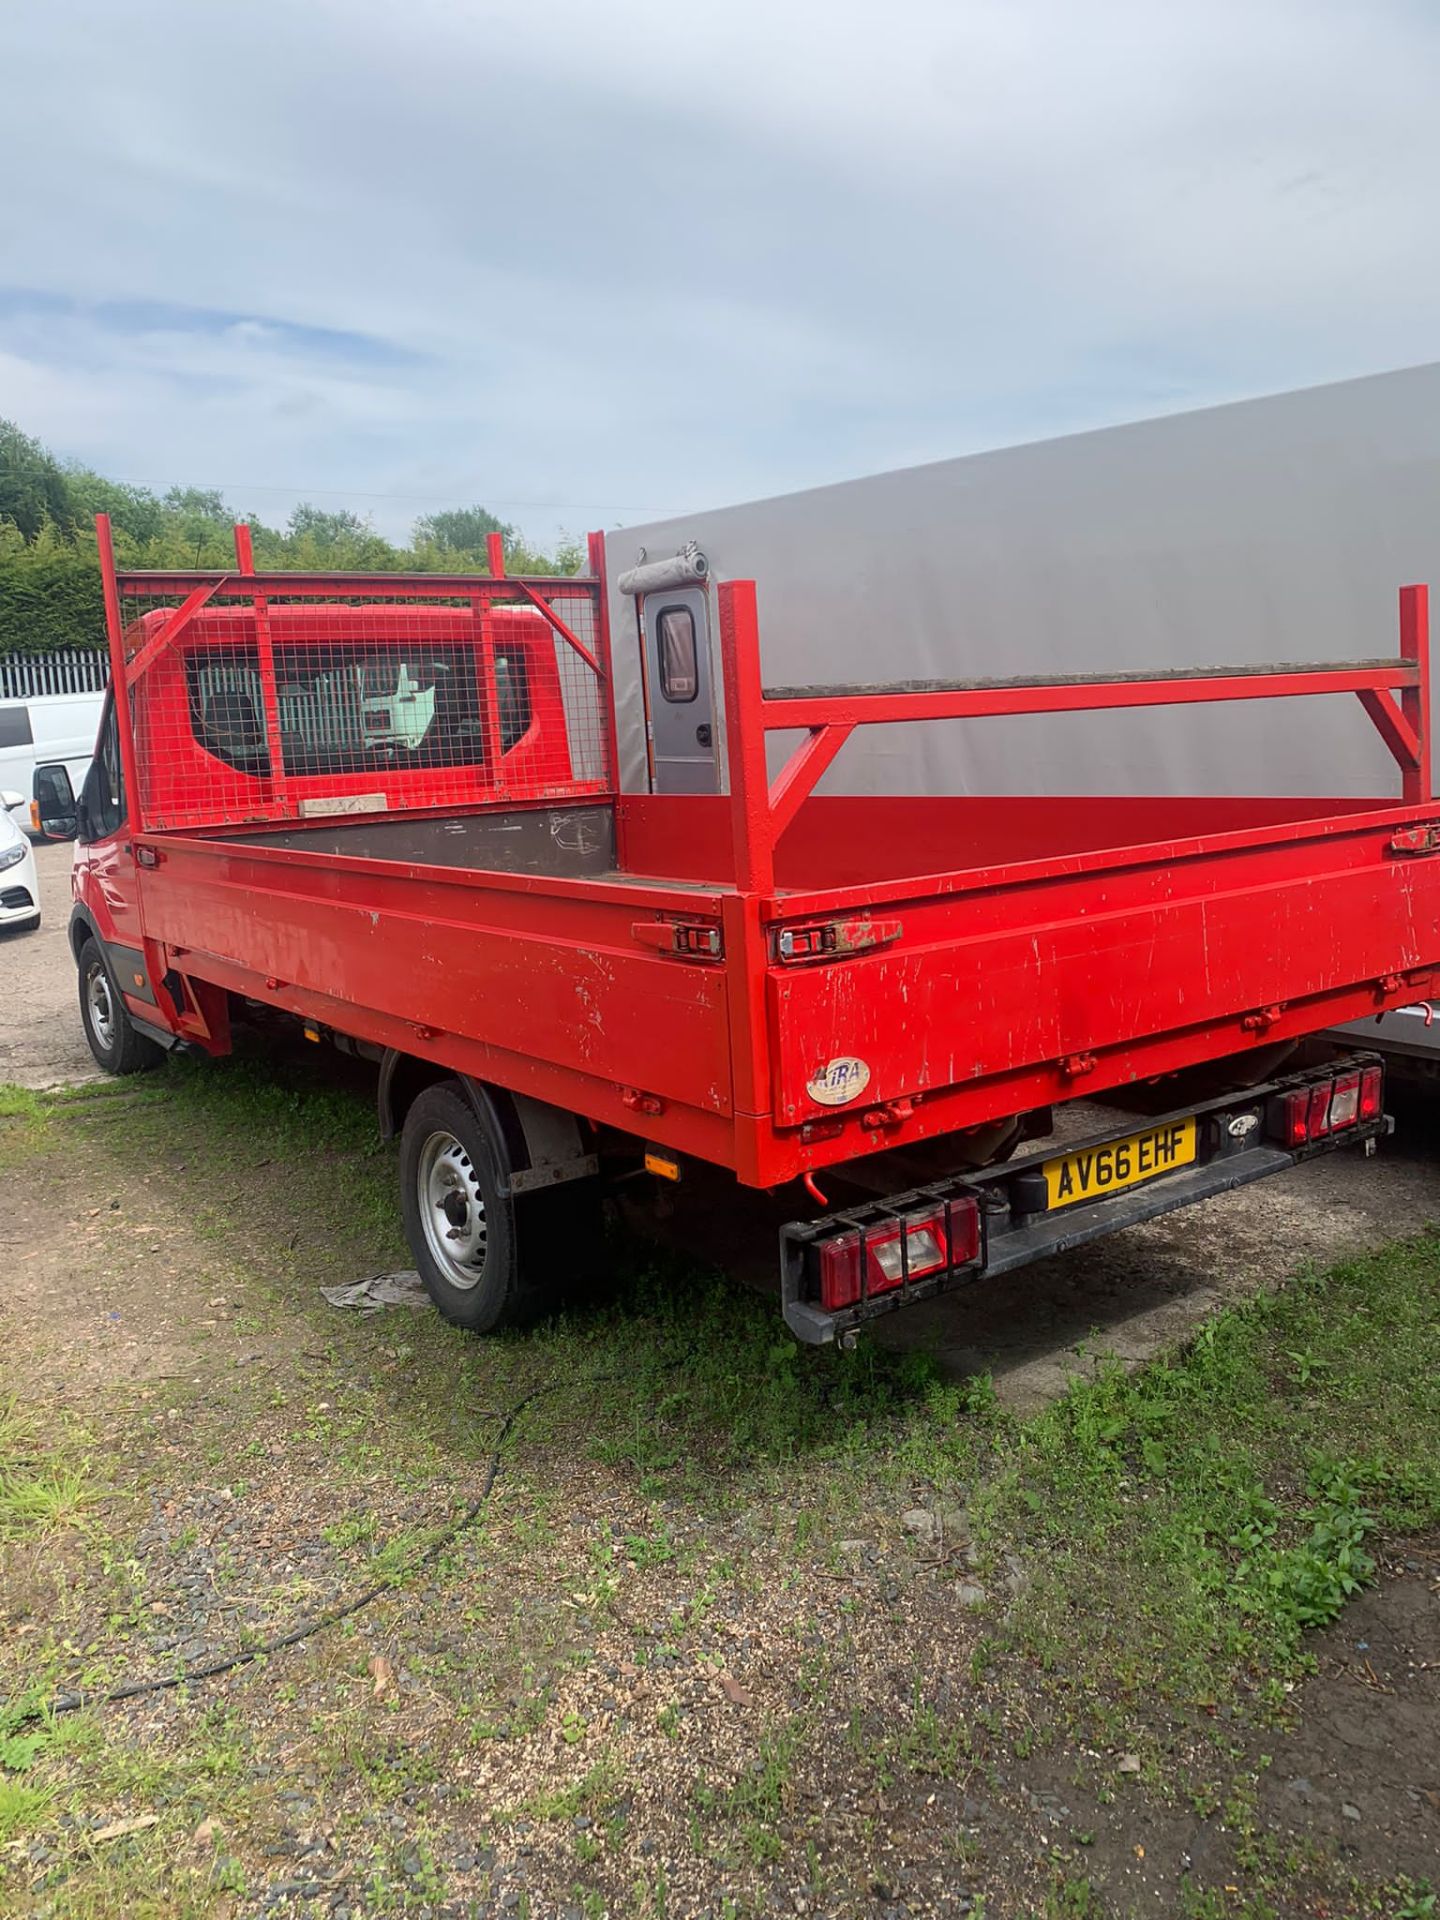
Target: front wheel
[114,1040]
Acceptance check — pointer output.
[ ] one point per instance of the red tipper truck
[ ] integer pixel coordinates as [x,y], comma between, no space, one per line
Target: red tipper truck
[387,805]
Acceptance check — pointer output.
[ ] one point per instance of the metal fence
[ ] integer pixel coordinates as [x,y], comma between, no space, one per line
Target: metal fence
[289,695]
[76,670]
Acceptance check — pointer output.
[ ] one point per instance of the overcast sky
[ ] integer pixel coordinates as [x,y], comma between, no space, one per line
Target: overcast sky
[591,264]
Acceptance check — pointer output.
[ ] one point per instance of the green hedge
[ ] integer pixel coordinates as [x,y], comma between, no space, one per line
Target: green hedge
[49,593]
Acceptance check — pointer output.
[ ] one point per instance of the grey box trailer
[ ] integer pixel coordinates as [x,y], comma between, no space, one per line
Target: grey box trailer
[1267,531]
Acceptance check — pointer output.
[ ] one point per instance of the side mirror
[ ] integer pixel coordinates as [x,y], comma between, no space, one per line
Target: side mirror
[55,808]
[9,799]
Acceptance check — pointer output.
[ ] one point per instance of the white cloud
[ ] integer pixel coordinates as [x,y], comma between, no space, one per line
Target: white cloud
[642,257]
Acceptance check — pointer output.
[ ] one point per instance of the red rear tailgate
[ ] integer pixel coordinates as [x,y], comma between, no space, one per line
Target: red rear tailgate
[994,974]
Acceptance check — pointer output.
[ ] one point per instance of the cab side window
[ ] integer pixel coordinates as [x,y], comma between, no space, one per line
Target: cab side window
[104,793]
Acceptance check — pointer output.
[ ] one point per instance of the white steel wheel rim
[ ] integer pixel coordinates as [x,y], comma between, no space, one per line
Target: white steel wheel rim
[100,1007]
[452,1211]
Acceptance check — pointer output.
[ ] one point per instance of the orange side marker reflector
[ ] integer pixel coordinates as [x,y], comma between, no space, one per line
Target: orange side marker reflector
[662,1164]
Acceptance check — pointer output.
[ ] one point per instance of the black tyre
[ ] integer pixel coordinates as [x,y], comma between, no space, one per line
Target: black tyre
[487,1262]
[464,1235]
[112,1035]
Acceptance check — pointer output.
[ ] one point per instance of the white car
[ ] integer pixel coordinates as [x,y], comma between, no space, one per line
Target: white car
[19,886]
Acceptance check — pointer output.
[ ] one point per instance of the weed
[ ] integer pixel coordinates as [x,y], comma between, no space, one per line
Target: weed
[599,1785]
[351,1531]
[1072,1899]
[648,1550]
[1306,1585]
[37,1500]
[22,1808]
[1306,1367]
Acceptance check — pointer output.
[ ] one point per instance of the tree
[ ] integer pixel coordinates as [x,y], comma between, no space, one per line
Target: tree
[49,570]
[461,530]
[32,485]
[194,532]
[325,527]
[133,511]
[198,503]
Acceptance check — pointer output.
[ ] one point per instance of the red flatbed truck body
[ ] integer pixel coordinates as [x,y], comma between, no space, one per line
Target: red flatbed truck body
[773,981]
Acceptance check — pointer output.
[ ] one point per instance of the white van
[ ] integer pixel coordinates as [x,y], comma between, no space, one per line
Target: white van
[49,711]
[49,727]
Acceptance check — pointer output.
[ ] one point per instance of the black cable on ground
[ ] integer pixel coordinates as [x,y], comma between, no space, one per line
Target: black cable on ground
[69,1702]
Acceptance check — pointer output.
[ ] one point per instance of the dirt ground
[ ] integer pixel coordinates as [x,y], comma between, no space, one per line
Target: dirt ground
[41,1044]
[613,1695]
[602,1700]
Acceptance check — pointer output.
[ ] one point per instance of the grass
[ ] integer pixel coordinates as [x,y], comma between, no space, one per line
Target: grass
[597,1787]
[674,1373]
[754,1804]
[21,1808]
[1227,1494]
[1180,1531]
[1200,1515]
[52,1495]
[46,1480]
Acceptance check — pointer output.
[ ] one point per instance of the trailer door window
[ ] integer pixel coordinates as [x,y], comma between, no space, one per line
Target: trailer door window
[679,668]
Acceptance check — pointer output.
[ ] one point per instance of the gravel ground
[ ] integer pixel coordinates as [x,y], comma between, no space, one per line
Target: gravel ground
[775,1696]
[602,1700]
[41,1044]
[1134,1294]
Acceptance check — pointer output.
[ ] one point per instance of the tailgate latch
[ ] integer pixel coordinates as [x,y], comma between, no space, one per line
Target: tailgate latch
[1422,839]
[693,940]
[835,939]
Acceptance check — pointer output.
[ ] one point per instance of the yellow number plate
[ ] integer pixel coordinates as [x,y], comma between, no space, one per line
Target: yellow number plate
[1120,1163]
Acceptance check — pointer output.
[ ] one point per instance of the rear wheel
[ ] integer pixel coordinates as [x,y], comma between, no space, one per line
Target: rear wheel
[114,1040]
[486,1262]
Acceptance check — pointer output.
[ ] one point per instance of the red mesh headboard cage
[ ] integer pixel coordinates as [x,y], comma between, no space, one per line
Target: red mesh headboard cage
[283,696]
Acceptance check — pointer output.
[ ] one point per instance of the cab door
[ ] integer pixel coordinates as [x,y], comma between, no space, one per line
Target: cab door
[104,877]
[680,691]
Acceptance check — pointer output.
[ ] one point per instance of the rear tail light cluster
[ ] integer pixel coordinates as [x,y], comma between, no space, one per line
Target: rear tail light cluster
[1326,1107]
[858,1263]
